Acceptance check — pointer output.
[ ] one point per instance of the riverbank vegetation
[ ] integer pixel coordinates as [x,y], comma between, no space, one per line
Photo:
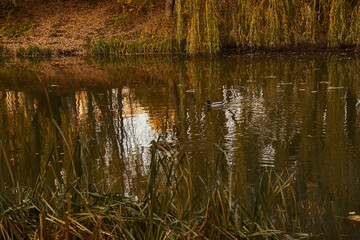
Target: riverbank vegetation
[148,26]
[4,52]
[212,25]
[117,47]
[33,51]
[71,206]
[169,209]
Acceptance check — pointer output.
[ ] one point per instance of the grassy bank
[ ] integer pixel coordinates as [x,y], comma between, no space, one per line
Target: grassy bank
[213,26]
[32,51]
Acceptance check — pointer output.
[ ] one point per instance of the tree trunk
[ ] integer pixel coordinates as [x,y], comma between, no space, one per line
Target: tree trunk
[169,8]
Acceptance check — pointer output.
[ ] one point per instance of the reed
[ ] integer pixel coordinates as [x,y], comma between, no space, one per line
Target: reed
[33,51]
[65,202]
[171,206]
[117,47]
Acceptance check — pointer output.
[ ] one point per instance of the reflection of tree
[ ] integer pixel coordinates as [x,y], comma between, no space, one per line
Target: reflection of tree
[290,114]
[18,135]
[281,114]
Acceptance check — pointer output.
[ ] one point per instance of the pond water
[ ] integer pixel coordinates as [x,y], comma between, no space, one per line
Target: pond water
[293,112]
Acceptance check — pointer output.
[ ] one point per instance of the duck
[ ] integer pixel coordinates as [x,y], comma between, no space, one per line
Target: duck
[214,104]
[163,145]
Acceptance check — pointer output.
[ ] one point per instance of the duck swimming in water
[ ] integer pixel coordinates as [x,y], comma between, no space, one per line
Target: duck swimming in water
[214,104]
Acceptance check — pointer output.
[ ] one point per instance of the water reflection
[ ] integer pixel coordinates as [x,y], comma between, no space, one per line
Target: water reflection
[295,112]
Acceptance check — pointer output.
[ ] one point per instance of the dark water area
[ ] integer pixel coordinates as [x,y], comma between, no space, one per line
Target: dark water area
[298,113]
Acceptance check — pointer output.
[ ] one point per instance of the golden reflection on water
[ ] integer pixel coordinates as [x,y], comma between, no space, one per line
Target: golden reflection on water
[81,106]
[299,113]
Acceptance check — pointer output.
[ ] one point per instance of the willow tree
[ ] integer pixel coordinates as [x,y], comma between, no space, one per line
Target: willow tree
[202,23]
[169,8]
[207,25]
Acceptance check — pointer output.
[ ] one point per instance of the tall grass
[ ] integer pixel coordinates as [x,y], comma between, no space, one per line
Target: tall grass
[33,51]
[118,47]
[177,203]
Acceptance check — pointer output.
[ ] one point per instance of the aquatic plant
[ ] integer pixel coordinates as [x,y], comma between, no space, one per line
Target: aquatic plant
[171,205]
[33,51]
[118,46]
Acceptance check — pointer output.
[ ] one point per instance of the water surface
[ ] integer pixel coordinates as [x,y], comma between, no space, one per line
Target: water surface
[293,112]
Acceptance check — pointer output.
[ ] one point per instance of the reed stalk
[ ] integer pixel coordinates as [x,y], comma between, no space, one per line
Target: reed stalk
[117,47]
[171,207]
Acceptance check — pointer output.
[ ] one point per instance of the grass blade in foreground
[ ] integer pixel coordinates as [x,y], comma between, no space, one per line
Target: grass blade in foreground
[171,208]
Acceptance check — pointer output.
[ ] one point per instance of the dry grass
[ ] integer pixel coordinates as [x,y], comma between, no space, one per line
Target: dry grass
[64,203]
[63,26]
[171,207]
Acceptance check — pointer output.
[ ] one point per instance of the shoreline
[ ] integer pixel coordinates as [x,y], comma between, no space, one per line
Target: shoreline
[303,49]
[81,28]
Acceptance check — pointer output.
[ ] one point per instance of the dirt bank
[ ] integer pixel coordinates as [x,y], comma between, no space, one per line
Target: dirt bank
[65,25]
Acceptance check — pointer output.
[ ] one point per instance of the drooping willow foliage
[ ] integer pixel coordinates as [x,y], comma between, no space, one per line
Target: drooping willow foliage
[199,20]
[208,25]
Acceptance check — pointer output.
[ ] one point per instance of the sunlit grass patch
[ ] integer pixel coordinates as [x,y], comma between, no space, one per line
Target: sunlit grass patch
[17,30]
[33,51]
[119,46]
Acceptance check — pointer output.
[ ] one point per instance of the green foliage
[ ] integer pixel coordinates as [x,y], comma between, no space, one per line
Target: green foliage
[353,36]
[207,26]
[33,51]
[135,6]
[5,52]
[14,31]
[179,21]
[337,22]
[118,46]
[118,22]
[212,28]
[203,31]
[212,24]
